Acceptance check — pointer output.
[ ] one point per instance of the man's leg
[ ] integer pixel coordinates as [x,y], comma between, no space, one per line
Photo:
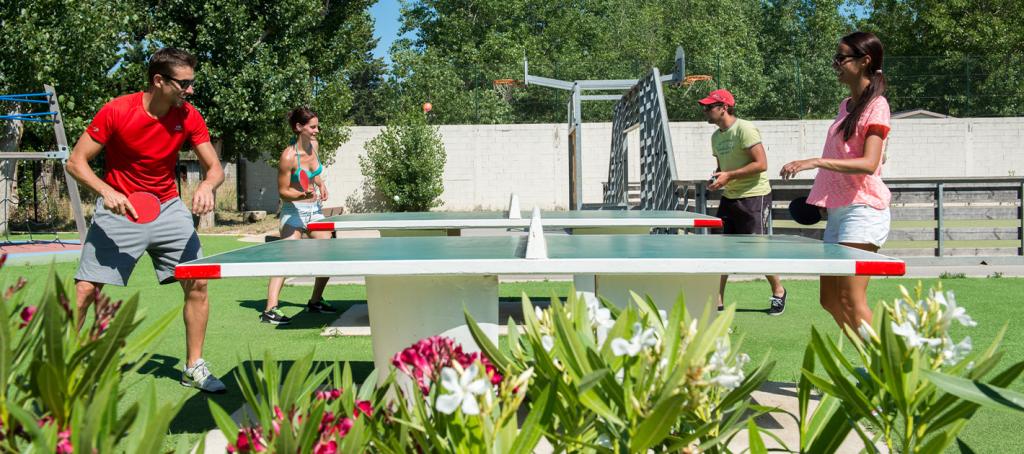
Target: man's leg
[85,293]
[175,241]
[196,313]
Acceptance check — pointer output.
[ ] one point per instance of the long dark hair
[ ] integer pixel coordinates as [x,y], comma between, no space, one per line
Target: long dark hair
[300,115]
[864,44]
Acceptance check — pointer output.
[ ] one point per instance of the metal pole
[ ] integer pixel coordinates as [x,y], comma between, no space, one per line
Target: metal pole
[577,121]
[1020,216]
[939,215]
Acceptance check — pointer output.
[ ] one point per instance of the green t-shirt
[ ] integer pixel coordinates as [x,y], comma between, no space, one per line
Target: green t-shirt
[730,147]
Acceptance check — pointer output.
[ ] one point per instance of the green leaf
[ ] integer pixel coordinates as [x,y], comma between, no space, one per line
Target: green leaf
[656,425]
[978,392]
[539,418]
[756,443]
[224,422]
[492,351]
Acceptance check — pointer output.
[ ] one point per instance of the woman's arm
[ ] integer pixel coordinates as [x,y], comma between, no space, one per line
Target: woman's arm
[866,164]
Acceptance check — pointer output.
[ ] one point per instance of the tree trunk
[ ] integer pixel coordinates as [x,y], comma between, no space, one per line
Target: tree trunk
[208,220]
[10,136]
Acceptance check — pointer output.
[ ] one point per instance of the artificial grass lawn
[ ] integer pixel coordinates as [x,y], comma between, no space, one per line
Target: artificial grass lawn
[235,335]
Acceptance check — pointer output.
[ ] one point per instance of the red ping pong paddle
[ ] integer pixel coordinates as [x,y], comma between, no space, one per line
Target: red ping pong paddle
[147,207]
[304,181]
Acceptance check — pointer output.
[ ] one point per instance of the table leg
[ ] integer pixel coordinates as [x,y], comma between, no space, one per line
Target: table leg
[405,309]
[700,290]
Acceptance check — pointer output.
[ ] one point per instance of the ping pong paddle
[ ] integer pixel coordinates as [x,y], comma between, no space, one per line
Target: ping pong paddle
[804,213]
[304,181]
[147,207]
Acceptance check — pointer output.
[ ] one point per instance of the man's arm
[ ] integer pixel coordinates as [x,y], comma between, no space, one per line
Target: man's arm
[758,163]
[202,200]
[78,166]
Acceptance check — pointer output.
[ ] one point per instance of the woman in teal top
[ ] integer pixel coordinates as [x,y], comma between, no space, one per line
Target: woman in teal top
[300,207]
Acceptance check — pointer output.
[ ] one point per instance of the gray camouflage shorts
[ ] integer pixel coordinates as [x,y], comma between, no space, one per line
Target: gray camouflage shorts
[114,244]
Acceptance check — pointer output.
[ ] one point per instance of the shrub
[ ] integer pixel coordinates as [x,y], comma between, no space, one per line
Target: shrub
[61,385]
[914,383]
[405,164]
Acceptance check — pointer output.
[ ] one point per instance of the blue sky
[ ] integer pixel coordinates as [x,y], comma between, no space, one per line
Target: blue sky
[385,14]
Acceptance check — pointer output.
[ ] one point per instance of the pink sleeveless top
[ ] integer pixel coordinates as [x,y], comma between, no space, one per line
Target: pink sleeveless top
[834,189]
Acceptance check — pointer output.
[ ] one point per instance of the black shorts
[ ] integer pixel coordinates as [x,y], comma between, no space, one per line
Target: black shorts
[749,215]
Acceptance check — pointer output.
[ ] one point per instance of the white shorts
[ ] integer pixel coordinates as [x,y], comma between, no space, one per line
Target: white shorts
[300,214]
[859,224]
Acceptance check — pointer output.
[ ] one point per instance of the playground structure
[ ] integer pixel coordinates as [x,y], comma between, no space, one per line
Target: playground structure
[641,107]
[51,115]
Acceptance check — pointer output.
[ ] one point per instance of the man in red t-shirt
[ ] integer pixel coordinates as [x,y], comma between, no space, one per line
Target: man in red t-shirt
[140,135]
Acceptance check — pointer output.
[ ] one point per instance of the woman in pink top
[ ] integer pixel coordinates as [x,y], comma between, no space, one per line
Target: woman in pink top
[849,182]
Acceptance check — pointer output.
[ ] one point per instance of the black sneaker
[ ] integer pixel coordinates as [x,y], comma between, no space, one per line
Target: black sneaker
[275,317]
[320,307]
[778,304]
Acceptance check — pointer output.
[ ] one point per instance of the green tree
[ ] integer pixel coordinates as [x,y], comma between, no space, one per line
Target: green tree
[259,59]
[957,57]
[468,44]
[404,165]
[70,44]
[798,39]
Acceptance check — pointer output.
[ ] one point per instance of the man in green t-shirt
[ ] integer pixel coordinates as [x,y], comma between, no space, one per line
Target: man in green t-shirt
[746,203]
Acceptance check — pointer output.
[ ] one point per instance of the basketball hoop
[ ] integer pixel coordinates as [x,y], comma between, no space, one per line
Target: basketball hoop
[688,82]
[504,87]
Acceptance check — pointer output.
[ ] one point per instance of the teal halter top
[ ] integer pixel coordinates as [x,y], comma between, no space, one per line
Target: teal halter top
[298,165]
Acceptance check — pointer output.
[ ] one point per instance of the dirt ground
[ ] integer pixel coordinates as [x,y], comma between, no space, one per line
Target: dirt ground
[232,222]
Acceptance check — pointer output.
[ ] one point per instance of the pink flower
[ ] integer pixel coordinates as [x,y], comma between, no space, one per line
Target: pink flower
[278,414]
[364,407]
[250,439]
[331,395]
[343,426]
[15,288]
[64,442]
[26,315]
[330,447]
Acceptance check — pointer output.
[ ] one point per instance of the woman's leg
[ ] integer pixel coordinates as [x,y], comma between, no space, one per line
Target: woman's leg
[846,297]
[288,232]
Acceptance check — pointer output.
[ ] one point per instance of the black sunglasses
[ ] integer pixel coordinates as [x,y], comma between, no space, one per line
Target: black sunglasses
[183,84]
[838,59]
[708,107]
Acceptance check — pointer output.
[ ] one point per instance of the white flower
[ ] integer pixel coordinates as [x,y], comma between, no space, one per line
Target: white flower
[867,332]
[906,311]
[462,390]
[539,312]
[547,342]
[664,316]
[952,354]
[641,338]
[953,312]
[914,339]
[723,374]
[603,321]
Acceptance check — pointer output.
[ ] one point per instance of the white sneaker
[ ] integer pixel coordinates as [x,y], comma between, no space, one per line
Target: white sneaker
[199,376]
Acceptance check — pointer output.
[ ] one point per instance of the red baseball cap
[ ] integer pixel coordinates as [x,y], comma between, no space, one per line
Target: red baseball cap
[719,96]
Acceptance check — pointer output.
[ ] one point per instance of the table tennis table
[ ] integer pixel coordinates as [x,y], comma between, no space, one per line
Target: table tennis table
[418,286]
[450,223]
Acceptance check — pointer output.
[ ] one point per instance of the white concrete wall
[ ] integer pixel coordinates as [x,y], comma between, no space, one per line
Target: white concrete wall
[488,162]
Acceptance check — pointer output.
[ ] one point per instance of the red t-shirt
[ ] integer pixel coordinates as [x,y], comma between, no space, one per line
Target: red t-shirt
[142,151]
